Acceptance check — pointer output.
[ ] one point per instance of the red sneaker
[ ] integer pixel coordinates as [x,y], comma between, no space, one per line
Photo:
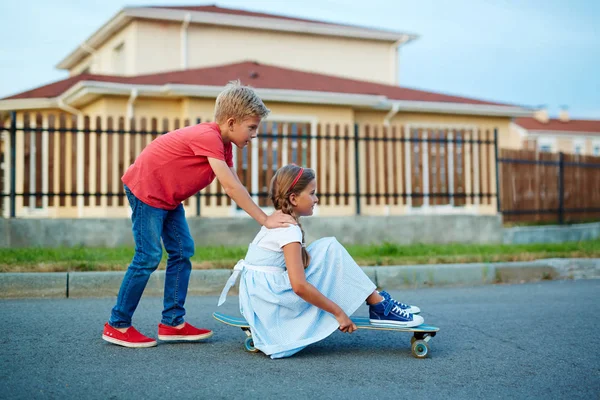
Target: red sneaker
[130,338]
[187,332]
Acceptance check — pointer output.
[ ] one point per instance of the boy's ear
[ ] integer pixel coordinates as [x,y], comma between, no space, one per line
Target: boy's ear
[230,123]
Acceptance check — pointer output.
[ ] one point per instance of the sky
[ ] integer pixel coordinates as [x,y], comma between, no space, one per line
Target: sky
[533,53]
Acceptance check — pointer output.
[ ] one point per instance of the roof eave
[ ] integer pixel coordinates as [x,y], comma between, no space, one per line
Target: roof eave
[39,103]
[275,24]
[84,89]
[207,91]
[538,132]
[462,108]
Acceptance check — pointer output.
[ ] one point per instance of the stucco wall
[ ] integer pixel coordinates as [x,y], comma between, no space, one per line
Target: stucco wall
[153,46]
[240,231]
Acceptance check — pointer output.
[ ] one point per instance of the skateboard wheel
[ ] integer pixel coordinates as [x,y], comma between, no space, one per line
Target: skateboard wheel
[420,348]
[249,345]
[412,340]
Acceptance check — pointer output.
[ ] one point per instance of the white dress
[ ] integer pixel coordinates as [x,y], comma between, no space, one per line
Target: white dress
[281,322]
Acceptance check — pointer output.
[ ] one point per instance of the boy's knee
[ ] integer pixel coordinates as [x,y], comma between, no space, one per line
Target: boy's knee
[147,260]
[188,249]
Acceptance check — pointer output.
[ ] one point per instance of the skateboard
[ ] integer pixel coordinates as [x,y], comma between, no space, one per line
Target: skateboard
[422,334]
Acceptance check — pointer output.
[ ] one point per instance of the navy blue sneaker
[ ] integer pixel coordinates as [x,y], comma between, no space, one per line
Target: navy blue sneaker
[387,313]
[409,309]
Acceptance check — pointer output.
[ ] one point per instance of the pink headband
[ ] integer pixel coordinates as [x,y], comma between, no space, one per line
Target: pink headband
[296,180]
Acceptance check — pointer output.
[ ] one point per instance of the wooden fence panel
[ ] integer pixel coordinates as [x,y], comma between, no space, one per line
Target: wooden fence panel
[532,186]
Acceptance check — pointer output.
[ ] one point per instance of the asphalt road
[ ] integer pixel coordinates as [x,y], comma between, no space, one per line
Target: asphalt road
[496,342]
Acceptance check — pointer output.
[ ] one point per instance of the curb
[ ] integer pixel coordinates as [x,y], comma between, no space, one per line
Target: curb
[211,282]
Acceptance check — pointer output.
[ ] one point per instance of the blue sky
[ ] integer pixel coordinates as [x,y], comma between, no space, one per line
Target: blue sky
[525,52]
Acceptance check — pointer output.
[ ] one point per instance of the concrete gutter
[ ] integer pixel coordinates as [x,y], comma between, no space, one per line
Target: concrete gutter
[211,282]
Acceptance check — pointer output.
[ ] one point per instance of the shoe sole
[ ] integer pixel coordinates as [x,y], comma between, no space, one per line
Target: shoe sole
[187,338]
[392,324]
[128,344]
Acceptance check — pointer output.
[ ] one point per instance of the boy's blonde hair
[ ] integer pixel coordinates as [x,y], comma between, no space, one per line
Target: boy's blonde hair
[239,102]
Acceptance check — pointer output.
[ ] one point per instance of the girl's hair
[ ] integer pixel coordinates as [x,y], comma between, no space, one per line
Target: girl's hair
[239,102]
[281,189]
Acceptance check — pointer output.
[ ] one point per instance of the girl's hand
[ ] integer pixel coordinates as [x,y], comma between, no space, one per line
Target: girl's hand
[346,324]
[279,220]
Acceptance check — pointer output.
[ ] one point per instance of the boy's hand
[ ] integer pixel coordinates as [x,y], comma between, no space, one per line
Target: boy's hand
[279,220]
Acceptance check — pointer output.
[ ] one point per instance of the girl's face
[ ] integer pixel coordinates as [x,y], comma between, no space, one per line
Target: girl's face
[305,201]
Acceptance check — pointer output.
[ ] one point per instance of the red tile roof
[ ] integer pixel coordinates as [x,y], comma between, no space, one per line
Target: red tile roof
[258,76]
[574,125]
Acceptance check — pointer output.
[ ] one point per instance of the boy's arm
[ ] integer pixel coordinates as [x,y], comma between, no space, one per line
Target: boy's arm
[240,195]
[235,175]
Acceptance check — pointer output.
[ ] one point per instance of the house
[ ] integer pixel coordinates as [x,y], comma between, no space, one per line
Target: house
[562,134]
[169,63]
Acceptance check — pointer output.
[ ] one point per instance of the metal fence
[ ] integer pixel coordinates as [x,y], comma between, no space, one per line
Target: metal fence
[63,166]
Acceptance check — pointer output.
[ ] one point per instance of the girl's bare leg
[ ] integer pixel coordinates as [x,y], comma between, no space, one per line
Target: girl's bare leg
[374,298]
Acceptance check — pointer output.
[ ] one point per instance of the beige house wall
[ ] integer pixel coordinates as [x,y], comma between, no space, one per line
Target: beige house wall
[152,47]
[103,59]
[99,108]
[353,58]
[158,47]
[506,138]
[305,112]
[116,106]
[566,144]
[192,108]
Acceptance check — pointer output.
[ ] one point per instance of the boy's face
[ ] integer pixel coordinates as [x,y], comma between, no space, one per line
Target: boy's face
[240,133]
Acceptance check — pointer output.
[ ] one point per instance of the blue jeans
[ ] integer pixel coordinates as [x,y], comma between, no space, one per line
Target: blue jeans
[150,224]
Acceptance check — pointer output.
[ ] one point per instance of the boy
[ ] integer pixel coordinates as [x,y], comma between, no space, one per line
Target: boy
[170,169]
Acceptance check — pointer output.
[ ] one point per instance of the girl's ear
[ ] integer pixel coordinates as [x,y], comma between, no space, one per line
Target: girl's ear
[293,199]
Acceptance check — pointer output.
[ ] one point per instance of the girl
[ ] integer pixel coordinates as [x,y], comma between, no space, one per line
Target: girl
[293,296]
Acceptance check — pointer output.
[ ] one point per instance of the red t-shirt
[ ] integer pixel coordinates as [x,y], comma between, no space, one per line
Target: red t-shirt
[175,166]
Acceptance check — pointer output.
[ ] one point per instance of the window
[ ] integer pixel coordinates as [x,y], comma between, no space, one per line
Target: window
[118,59]
[596,149]
[546,144]
[578,146]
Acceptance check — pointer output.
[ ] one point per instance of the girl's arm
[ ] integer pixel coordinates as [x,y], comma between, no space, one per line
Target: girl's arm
[293,261]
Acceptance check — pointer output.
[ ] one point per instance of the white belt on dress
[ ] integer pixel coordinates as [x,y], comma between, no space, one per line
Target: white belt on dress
[241,265]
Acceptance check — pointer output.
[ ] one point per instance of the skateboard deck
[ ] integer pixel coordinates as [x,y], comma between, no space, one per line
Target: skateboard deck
[422,334]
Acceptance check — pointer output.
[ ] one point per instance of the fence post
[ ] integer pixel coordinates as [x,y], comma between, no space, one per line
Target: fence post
[561,182]
[357,168]
[13,163]
[497,171]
